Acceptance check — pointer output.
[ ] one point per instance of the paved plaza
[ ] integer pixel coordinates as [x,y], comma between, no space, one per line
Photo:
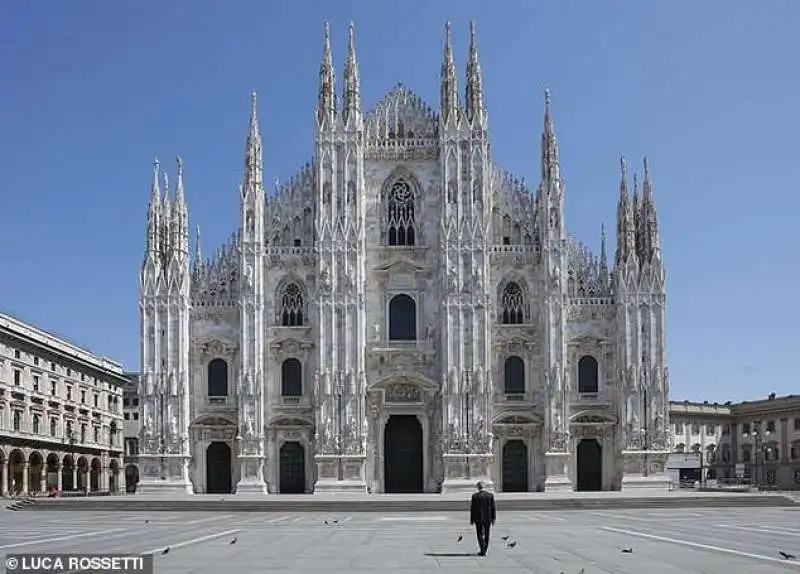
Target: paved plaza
[662,541]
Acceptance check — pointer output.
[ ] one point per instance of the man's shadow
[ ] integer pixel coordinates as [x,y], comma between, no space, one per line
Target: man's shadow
[449,554]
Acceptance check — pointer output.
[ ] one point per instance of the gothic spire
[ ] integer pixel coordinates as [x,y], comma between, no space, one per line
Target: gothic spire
[649,217]
[166,219]
[153,214]
[550,167]
[198,249]
[626,242]
[474,91]
[181,215]
[636,212]
[603,250]
[326,108]
[254,160]
[351,100]
[449,89]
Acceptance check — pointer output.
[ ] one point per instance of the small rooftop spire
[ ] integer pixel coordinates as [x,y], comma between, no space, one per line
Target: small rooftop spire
[550,164]
[351,102]
[449,90]
[326,106]
[474,93]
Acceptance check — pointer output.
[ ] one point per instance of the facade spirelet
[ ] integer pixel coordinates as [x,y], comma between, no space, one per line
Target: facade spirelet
[402,315]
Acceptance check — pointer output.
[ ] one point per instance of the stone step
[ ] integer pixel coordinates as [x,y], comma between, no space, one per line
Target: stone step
[387,504]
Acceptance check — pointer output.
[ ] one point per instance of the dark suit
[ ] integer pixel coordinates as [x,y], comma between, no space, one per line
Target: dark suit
[482,514]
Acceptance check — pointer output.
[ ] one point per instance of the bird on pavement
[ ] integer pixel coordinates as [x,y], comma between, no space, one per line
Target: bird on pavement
[234,541]
[511,544]
[627,550]
[147,522]
[504,537]
[460,538]
[786,555]
[166,550]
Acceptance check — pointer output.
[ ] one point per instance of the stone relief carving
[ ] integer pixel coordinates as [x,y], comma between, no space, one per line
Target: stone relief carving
[402,393]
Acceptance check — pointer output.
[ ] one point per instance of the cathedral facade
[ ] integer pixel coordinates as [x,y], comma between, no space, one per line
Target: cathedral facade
[402,316]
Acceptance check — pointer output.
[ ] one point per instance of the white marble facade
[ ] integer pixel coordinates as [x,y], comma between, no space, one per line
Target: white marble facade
[402,272]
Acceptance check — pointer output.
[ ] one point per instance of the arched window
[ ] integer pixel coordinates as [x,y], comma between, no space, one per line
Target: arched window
[794,453]
[291,378]
[514,376]
[17,420]
[512,305]
[587,375]
[400,214]
[292,306]
[218,378]
[53,427]
[402,319]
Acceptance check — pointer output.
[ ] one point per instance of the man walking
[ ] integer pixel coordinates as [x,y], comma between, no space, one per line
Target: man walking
[482,514]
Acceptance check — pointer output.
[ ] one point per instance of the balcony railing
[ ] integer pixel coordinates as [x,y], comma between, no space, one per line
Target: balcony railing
[384,344]
[598,398]
[218,401]
[513,398]
[295,400]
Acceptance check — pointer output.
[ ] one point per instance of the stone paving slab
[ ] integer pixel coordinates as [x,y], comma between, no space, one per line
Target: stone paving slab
[663,541]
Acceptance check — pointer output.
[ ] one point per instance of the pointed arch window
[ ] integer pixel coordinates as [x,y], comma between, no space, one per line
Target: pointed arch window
[512,304]
[588,379]
[514,376]
[400,214]
[218,378]
[292,306]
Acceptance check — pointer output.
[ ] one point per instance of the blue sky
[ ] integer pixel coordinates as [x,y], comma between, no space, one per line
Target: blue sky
[93,90]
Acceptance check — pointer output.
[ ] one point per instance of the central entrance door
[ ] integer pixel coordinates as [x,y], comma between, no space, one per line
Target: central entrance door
[515,466]
[219,474]
[292,462]
[590,465]
[402,454]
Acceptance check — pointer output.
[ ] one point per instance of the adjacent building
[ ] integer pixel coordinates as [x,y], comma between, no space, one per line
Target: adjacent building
[403,315]
[752,442]
[61,423]
[132,426]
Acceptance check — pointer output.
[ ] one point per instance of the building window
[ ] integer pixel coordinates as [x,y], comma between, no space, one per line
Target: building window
[17,354]
[17,378]
[695,428]
[726,429]
[96,400]
[37,419]
[96,433]
[512,304]
[678,428]
[218,378]
[53,388]
[69,393]
[770,426]
[291,378]
[53,367]
[588,379]
[83,397]
[36,383]
[53,427]
[292,306]
[747,453]
[17,421]
[402,318]
[711,428]
[36,361]
[514,376]
[797,423]
[726,453]
[745,428]
[83,433]
[400,215]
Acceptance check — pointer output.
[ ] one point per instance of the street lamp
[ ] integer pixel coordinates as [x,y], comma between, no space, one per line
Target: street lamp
[339,391]
[467,405]
[71,440]
[758,441]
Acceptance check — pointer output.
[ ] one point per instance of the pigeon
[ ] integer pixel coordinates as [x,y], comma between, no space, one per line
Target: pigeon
[460,538]
[166,550]
[234,541]
[511,544]
[786,555]
[147,522]
[504,537]
[627,550]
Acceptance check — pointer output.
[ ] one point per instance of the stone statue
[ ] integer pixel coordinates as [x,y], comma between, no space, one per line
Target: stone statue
[452,280]
[430,332]
[376,329]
